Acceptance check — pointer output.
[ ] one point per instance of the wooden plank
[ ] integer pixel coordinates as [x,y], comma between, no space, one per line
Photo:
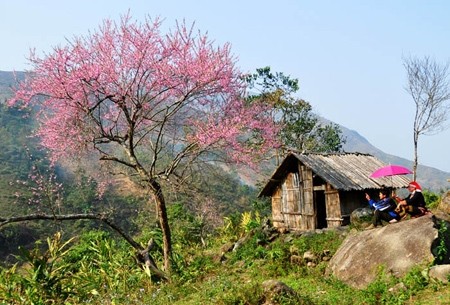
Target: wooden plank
[319,187]
[333,206]
[307,192]
[297,213]
[277,217]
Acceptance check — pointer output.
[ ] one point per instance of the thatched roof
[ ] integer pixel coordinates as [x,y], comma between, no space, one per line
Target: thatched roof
[344,171]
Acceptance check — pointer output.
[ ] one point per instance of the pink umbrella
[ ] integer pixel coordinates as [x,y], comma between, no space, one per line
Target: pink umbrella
[390,170]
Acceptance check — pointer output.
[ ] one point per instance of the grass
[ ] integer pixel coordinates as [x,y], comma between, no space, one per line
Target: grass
[239,280]
[95,269]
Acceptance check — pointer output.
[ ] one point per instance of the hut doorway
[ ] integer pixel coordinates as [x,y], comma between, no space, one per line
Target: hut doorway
[321,209]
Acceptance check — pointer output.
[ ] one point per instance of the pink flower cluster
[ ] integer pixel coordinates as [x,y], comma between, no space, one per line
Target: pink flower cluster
[128,85]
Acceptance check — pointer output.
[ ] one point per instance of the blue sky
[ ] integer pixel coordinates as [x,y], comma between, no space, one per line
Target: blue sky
[346,54]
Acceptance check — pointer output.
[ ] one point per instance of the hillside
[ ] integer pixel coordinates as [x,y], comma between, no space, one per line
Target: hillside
[431,178]
[229,262]
[7,79]
[246,262]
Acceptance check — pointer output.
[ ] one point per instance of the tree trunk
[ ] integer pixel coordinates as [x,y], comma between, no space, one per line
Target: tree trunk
[416,161]
[164,223]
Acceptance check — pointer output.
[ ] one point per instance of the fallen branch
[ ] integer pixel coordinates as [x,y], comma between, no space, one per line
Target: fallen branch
[143,253]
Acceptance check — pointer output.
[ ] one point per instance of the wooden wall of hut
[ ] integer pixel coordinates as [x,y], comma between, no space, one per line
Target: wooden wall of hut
[308,209]
[333,204]
[293,202]
[277,216]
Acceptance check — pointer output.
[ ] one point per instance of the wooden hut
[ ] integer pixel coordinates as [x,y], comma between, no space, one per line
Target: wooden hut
[313,191]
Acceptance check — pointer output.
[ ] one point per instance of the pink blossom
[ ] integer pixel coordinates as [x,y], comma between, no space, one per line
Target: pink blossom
[128,86]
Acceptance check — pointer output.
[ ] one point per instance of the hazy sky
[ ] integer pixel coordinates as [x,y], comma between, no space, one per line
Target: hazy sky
[347,55]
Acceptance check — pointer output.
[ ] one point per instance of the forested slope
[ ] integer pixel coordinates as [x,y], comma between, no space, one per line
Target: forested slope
[214,195]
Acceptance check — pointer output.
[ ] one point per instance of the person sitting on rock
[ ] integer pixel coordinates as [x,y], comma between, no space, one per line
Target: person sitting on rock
[414,204]
[384,209]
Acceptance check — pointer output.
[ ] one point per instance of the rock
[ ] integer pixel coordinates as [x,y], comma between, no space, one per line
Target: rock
[311,264]
[400,287]
[440,273]
[308,233]
[277,292]
[296,260]
[283,230]
[288,239]
[309,256]
[360,216]
[398,247]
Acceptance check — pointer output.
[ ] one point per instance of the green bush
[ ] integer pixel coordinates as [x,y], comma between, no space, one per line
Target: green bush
[45,279]
[432,199]
[95,270]
[106,269]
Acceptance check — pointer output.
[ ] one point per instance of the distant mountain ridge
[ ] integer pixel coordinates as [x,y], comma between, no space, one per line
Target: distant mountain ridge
[429,177]
[7,79]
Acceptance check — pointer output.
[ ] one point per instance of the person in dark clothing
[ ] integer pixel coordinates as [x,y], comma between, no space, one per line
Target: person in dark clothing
[415,202]
[384,209]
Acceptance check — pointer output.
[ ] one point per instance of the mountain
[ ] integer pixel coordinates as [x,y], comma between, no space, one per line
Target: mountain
[7,79]
[428,177]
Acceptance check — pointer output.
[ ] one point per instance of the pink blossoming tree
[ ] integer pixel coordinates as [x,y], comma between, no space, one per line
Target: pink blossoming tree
[148,104]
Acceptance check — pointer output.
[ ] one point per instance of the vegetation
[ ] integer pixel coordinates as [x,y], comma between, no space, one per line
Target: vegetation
[150,107]
[301,129]
[432,199]
[46,263]
[98,267]
[95,268]
[222,250]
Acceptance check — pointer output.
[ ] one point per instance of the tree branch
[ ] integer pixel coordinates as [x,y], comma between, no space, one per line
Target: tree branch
[142,253]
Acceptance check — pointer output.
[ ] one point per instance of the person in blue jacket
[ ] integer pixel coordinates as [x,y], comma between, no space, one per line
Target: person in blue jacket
[384,209]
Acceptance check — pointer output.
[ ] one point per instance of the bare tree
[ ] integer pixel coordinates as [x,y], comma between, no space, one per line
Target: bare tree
[429,86]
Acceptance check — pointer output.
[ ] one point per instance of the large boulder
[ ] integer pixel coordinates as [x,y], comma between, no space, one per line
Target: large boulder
[397,247]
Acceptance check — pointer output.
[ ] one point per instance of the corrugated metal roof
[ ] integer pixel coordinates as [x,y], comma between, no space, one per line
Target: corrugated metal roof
[344,171]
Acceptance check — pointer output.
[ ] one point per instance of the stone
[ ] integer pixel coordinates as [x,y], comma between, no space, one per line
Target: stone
[398,247]
[398,288]
[309,256]
[276,290]
[296,260]
[440,273]
[361,216]
[311,265]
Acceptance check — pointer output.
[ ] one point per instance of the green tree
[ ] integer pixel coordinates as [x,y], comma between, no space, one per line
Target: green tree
[301,129]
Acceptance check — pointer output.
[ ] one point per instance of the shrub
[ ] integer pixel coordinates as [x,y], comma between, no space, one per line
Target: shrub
[45,280]
[432,199]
